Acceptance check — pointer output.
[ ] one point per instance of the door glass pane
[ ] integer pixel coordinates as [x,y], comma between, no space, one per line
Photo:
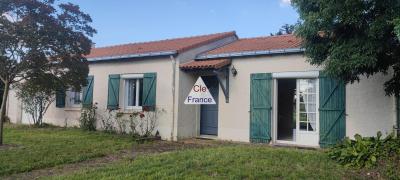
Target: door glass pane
[303,126]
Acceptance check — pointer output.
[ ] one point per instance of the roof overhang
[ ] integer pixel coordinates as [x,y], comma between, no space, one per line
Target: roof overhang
[201,65]
[127,56]
[252,53]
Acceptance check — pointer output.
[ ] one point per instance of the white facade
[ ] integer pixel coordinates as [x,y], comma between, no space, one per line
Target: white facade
[368,110]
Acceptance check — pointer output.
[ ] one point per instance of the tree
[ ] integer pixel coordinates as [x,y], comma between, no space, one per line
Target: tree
[36,96]
[1,90]
[397,27]
[40,38]
[352,38]
[285,29]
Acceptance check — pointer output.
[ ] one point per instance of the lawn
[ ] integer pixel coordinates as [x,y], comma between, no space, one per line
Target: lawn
[226,162]
[37,148]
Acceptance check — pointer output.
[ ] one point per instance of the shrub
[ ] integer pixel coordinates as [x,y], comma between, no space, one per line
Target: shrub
[364,151]
[88,118]
[106,120]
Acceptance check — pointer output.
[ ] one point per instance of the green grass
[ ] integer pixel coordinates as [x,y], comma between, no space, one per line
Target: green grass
[229,162]
[46,147]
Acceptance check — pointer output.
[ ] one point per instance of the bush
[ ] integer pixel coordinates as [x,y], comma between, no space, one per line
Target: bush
[88,118]
[365,151]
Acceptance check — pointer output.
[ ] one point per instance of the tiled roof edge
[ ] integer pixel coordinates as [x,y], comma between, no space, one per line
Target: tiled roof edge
[150,54]
[252,53]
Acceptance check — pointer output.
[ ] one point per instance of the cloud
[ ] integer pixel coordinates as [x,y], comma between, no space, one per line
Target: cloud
[285,2]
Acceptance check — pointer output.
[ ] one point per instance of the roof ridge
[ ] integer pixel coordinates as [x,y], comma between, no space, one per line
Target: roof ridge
[265,37]
[162,40]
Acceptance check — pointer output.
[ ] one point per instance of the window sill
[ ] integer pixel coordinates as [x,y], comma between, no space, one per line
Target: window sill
[72,109]
[131,110]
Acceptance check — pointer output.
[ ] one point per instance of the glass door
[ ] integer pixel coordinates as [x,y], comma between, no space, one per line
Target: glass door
[307,112]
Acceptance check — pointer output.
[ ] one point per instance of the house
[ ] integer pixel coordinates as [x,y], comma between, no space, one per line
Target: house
[264,88]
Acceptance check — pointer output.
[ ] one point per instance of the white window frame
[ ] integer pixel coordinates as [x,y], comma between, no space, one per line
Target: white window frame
[125,78]
[294,75]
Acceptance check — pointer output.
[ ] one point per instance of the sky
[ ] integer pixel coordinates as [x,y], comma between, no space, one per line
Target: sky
[127,21]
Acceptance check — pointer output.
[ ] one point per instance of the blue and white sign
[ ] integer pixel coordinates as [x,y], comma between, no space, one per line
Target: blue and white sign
[199,94]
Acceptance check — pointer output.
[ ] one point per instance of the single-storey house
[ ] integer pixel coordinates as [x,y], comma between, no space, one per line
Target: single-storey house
[264,88]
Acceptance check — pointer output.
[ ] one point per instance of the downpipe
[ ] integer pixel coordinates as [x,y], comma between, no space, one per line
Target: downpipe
[173,60]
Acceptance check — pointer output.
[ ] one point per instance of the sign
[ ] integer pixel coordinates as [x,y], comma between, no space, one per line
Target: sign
[199,94]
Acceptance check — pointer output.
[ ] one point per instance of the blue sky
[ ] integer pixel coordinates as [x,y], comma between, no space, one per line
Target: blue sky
[126,21]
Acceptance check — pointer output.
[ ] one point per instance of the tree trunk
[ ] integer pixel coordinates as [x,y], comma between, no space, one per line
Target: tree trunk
[3,110]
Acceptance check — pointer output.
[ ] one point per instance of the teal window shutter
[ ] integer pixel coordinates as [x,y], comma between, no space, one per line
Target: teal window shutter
[260,107]
[332,113]
[60,98]
[149,90]
[87,97]
[113,91]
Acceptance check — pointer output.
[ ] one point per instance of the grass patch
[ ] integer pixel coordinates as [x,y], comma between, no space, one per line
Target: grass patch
[229,162]
[35,148]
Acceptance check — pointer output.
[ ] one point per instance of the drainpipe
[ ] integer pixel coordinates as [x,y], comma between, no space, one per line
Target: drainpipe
[173,96]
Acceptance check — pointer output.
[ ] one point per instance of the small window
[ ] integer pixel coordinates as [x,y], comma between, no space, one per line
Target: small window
[133,93]
[74,98]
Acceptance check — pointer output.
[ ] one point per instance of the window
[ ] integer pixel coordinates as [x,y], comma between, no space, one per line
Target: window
[74,98]
[77,99]
[307,104]
[133,92]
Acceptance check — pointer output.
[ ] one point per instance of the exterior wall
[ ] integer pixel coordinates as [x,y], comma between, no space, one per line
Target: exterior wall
[172,87]
[368,109]
[69,116]
[187,115]
[14,107]
[234,117]
[100,71]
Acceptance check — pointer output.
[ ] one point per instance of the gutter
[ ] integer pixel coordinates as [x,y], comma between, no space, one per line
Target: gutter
[151,54]
[252,53]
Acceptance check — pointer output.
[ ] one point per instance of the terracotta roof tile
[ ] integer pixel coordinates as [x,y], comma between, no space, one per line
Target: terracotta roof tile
[178,45]
[259,44]
[206,64]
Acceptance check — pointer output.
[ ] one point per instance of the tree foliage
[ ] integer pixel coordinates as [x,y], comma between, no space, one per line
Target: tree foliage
[36,98]
[42,40]
[285,29]
[352,38]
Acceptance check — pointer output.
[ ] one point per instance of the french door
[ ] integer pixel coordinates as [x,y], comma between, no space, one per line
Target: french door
[306,113]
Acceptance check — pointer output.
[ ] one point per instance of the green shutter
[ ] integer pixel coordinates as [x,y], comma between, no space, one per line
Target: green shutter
[260,107]
[149,90]
[60,98]
[87,100]
[332,113]
[113,91]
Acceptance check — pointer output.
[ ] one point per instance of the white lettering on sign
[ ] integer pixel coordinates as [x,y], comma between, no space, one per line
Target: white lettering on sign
[199,94]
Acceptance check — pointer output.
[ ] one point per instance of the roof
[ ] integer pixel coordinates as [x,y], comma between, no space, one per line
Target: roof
[252,46]
[207,64]
[162,47]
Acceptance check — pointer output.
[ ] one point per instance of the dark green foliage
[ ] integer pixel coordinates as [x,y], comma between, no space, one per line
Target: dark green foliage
[351,38]
[397,27]
[365,151]
[285,29]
